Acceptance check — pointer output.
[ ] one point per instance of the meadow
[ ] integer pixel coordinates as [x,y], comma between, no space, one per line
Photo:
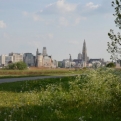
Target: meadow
[36,72]
[95,95]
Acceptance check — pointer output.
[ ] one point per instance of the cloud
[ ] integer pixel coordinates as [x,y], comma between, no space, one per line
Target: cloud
[66,13]
[34,16]
[2,24]
[59,7]
[65,7]
[91,5]
[88,9]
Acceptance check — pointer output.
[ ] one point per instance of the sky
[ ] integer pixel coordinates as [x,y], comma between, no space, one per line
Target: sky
[59,25]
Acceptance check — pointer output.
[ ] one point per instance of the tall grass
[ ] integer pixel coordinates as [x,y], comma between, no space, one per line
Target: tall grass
[39,72]
[95,95]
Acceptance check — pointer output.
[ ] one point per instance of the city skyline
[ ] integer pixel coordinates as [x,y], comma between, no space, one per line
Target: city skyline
[59,25]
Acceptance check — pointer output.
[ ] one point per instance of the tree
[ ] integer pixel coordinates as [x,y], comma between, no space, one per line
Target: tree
[12,66]
[18,66]
[114,46]
[21,65]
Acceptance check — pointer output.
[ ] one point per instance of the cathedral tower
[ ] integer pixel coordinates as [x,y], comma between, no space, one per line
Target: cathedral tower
[84,52]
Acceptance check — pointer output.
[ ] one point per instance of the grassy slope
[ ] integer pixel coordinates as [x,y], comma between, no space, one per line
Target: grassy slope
[89,98]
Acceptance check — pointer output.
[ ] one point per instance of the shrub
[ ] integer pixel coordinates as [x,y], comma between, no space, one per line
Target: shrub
[111,65]
[84,68]
[95,95]
[19,66]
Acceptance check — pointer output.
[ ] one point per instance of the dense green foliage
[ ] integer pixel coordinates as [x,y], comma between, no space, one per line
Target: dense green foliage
[114,46]
[93,96]
[111,65]
[18,66]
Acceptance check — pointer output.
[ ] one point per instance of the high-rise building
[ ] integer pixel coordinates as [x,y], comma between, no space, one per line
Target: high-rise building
[70,58]
[37,52]
[43,60]
[39,60]
[29,59]
[44,51]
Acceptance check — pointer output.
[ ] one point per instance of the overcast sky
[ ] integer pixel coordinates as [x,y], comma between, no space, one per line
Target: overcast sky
[59,25]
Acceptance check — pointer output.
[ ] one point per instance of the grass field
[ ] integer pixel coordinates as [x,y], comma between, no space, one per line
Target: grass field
[36,72]
[93,96]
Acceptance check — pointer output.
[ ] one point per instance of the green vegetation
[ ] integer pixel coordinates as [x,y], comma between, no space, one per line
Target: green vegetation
[114,46]
[42,72]
[111,65]
[17,66]
[93,96]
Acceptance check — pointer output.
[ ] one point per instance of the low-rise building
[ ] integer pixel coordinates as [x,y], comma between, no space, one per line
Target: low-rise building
[66,63]
[55,64]
[78,63]
[60,64]
[47,61]
[98,62]
[17,57]
[5,60]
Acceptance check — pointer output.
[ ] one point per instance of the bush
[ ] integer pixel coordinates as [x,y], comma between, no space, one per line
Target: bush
[95,95]
[111,65]
[18,66]
[84,68]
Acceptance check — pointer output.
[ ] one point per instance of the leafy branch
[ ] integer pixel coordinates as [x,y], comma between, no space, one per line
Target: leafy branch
[113,46]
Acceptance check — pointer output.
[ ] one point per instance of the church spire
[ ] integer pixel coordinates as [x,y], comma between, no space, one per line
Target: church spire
[84,52]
